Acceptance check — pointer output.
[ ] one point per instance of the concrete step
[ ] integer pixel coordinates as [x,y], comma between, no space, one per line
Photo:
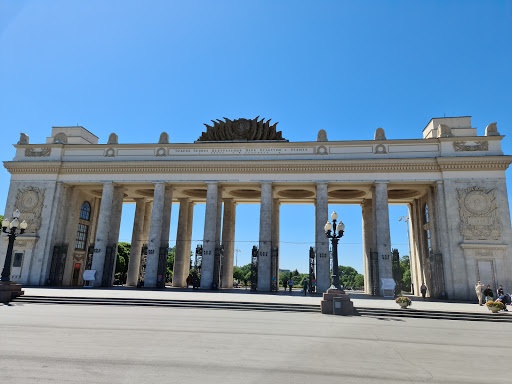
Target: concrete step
[502,317]
[170,303]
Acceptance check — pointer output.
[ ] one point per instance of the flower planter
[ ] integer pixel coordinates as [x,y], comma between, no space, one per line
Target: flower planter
[403,305]
[494,309]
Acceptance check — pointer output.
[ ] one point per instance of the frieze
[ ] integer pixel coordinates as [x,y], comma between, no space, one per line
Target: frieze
[478,214]
[37,152]
[479,146]
[30,201]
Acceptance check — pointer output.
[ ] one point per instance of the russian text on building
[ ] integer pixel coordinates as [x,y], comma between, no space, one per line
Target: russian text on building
[71,191]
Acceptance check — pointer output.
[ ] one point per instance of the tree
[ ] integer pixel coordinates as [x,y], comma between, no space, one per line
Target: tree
[405,268]
[1,217]
[347,276]
[123,257]
[359,281]
[170,265]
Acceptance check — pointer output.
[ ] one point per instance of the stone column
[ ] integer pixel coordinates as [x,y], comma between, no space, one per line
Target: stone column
[323,263]
[368,245]
[181,245]
[166,218]
[444,241]
[155,235]
[383,237]
[136,245]
[264,257]
[275,234]
[417,234]
[210,235]
[102,232]
[228,242]
[188,243]
[113,238]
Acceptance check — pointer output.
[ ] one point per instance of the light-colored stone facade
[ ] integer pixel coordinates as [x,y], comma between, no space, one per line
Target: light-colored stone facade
[452,181]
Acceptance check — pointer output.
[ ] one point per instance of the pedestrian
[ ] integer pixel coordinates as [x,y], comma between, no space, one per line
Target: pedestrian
[189,280]
[423,290]
[305,284]
[478,290]
[488,293]
[285,284]
[500,291]
[290,284]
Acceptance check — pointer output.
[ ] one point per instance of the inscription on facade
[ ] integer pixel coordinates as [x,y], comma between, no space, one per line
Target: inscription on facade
[241,151]
[478,214]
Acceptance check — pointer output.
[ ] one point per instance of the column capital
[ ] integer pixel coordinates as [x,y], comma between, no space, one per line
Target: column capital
[266,182]
[211,182]
[439,182]
[322,183]
[381,182]
[159,182]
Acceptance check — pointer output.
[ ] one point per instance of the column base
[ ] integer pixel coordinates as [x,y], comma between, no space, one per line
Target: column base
[9,291]
[336,301]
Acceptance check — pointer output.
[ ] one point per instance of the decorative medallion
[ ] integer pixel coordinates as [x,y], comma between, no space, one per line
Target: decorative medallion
[111,152]
[380,149]
[160,152]
[478,214]
[479,146]
[241,130]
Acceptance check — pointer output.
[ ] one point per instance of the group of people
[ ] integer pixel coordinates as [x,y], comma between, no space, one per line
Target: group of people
[193,279]
[485,292]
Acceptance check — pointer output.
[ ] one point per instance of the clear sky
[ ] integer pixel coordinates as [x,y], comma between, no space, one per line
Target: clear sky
[138,68]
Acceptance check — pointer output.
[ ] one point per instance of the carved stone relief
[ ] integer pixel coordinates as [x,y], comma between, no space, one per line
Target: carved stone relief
[112,139]
[478,214]
[37,152]
[29,201]
[23,139]
[380,134]
[479,146]
[322,135]
[241,129]
[164,138]
[60,138]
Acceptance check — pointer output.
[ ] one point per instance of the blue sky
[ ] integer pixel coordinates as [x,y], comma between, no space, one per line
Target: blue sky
[138,68]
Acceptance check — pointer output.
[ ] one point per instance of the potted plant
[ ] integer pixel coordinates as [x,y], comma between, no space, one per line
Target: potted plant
[495,306]
[403,301]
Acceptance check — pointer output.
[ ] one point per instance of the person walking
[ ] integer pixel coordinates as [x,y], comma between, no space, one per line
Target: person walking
[489,296]
[478,290]
[305,285]
[290,284]
[423,290]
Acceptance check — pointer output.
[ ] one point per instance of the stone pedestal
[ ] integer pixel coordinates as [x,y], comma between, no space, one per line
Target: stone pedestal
[347,307]
[9,291]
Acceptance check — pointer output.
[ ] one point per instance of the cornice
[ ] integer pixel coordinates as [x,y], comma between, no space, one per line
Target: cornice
[263,166]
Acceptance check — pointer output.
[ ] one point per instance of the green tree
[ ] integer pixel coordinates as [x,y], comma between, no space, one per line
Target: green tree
[405,268]
[123,257]
[359,281]
[170,265]
[1,218]
[347,276]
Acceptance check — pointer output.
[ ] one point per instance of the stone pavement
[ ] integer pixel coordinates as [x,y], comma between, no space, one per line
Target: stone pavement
[237,295]
[132,344]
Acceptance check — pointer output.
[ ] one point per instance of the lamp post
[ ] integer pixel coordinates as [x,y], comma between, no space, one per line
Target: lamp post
[340,228]
[11,228]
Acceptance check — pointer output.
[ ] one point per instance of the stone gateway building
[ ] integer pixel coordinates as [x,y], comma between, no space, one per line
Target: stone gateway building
[71,191]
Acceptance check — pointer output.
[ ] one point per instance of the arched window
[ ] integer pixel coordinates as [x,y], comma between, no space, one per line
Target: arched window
[85,211]
[83,227]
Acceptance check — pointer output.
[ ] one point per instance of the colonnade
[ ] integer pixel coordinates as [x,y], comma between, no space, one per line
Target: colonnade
[152,224]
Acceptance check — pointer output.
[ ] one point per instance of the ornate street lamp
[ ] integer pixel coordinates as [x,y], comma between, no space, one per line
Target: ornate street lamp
[340,228]
[11,228]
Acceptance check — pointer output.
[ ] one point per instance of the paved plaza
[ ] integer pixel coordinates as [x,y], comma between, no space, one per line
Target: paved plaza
[48,343]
